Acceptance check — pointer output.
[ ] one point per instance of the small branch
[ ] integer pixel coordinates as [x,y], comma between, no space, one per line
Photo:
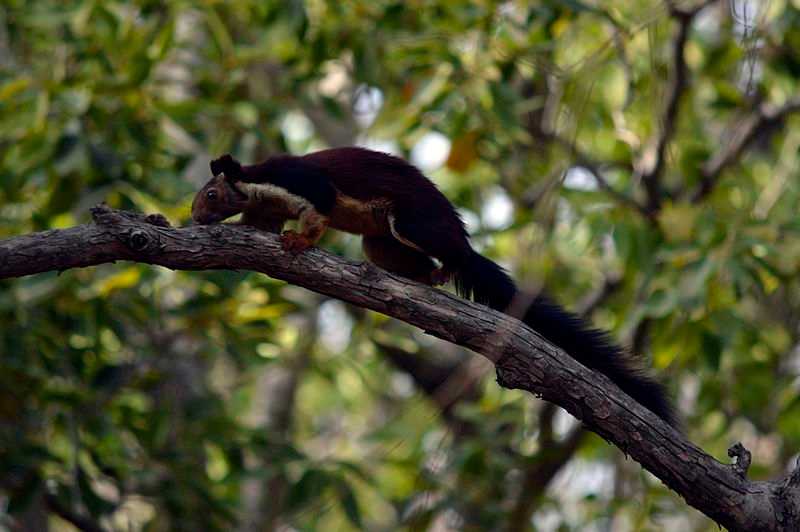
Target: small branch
[621,198]
[446,383]
[523,359]
[676,10]
[538,127]
[264,496]
[80,522]
[653,161]
[546,417]
[549,462]
[755,126]
[449,383]
[595,299]
[554,454]
[595,168]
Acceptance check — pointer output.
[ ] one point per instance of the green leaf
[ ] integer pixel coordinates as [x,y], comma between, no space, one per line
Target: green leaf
[347,500]
[311,486]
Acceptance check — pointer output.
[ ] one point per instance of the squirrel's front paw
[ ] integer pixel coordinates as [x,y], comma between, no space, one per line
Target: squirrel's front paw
[294,242]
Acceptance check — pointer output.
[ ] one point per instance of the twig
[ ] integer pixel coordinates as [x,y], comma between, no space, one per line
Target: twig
[758,124]
[549,462]
[80,522]
[583,160]
[595,299]
[650,166]
[446,383]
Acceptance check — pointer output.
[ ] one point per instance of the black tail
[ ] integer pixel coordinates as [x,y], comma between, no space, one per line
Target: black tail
[485,282]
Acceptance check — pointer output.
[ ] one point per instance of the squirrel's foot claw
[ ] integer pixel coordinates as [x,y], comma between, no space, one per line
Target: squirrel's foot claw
[440,276]
[294,242]
[157,219]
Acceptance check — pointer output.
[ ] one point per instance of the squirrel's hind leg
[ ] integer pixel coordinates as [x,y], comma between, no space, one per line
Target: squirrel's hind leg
[396,257]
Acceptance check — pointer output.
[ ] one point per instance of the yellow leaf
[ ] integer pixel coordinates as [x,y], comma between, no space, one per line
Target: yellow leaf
[246,313]
[124,279]
[463,152]
[10,89]
[559,26]
[662,358]
[678,221]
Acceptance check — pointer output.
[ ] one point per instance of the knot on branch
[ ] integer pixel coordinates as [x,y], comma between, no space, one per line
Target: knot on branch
[139,238]
[142,240]
[741,459]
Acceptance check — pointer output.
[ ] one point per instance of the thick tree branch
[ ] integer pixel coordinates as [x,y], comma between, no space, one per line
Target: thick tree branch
[523,359]
[758,124]
[448,383]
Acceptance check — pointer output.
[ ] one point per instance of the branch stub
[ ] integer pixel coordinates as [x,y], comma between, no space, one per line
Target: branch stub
[742,459]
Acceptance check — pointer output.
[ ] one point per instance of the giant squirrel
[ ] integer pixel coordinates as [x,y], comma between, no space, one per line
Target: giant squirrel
[404,220]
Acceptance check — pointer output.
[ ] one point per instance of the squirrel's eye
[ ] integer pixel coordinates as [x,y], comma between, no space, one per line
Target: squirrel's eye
[211,194]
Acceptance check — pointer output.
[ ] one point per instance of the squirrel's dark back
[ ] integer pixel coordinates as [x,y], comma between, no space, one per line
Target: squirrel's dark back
[418,211]
[365,174]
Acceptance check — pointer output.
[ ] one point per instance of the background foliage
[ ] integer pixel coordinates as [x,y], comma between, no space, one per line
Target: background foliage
[138,398]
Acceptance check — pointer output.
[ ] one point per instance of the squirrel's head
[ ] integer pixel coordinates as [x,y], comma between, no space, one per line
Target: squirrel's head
[219,198]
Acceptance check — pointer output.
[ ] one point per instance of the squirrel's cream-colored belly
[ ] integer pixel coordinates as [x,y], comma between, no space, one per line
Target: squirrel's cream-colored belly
[273,208]
[368,218]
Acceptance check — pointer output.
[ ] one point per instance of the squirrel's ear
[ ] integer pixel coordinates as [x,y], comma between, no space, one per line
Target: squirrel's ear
[216,167]
[227,165]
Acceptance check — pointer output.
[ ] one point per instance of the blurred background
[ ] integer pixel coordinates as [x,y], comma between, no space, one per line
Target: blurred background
[638,163]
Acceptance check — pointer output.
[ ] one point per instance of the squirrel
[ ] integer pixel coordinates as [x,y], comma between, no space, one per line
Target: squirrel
[405,223]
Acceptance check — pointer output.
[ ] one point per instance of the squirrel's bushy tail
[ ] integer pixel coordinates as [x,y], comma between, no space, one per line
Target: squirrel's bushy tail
[485,282]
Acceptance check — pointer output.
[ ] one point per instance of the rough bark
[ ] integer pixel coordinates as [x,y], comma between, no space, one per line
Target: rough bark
[523,359]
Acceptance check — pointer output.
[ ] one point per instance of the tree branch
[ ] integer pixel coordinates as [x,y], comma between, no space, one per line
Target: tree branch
[265,497]
[766,118]
[653,161]
[446,383]
[595,168]
[548,462]
[595,299]
[553,455]
[78,521]
[537,126]
[523,359]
